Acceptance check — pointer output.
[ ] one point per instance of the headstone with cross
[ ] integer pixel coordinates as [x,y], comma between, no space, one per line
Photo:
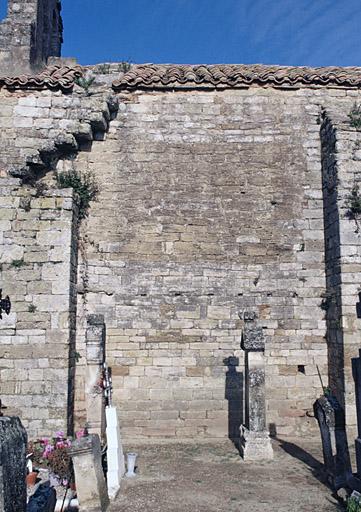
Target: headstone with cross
[255,440]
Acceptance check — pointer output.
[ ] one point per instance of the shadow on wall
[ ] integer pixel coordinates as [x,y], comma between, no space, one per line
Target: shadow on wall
[332,303]
[234,395]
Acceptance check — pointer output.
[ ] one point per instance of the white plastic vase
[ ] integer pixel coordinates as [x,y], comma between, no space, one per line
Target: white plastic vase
[131,457]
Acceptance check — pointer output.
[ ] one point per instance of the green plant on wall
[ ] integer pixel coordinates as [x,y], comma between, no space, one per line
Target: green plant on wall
[84,186]
[85,83]
[355,116]
[353,204]
[125,66]
[17,263]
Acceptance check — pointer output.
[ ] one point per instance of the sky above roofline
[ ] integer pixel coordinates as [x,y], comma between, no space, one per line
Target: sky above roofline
[284,32]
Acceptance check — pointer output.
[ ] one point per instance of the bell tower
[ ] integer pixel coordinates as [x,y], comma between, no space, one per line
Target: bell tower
[30,34]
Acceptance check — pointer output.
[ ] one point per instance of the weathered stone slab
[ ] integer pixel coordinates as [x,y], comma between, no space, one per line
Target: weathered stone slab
[255,445]
[331,419]
[13,440]
[255,440]
[94,393]
[89,477]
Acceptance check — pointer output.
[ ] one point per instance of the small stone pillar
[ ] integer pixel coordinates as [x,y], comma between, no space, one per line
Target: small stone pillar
[95,358]
[356,373]
[331,420]
[13,441]
[89,477]
[255,440]
[115,455]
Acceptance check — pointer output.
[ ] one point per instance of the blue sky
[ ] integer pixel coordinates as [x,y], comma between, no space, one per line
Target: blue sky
[289,32]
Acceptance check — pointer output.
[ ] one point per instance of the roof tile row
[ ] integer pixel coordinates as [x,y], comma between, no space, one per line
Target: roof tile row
[228,76]
[167,76]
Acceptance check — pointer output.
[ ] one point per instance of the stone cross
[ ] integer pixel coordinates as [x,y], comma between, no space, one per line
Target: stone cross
[94,391]
[255,440]
[13,441]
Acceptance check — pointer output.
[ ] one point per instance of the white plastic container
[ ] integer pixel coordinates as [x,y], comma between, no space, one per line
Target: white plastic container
[131,457]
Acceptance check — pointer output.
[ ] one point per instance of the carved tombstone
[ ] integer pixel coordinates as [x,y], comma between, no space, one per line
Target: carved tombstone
[255,440]
[89,477]
[95,357]
[331,420]
[13,440]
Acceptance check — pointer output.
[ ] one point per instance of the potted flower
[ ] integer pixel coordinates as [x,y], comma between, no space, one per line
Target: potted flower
[56,457]
[53,454]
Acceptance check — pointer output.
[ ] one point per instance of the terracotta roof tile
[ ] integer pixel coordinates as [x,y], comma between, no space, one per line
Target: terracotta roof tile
[53,77]
[156,76]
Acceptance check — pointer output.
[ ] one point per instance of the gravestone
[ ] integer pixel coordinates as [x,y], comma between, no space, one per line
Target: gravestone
[95,358]
[331,420]
[13,441]
[89,477]
[255,440]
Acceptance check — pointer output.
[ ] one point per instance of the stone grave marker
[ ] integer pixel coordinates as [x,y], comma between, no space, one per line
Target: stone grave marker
[331,420]
[95,358]
[13,441]
[255,440]
[89,477]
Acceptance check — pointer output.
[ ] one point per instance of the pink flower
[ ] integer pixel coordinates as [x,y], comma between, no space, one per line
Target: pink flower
[59,434]
[44,441]
[80,433]
[48,450]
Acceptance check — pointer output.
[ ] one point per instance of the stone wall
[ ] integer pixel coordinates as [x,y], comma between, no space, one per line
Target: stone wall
[31,32]
[210,205]
[38,252]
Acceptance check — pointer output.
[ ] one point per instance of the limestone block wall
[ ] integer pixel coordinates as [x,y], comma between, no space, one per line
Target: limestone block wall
[31,32]
[38,253]
[210,205]
[39,127]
